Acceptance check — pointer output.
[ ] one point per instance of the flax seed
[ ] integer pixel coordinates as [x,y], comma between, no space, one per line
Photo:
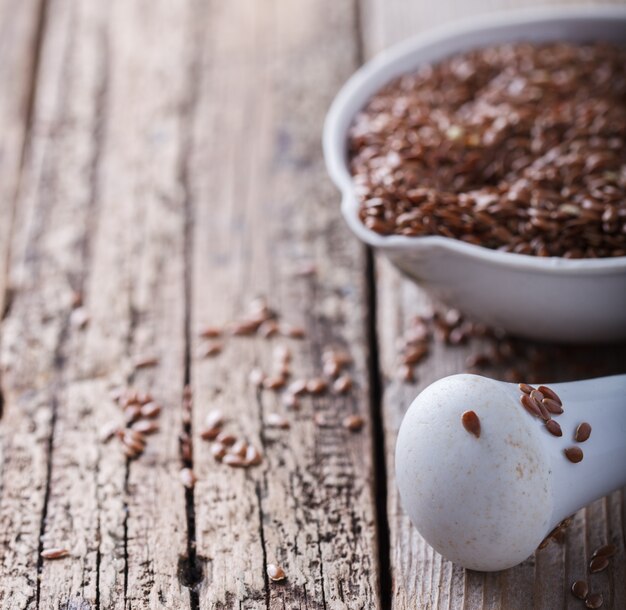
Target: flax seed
[145,362]
[331,368]
[554,428]
[471,423]
[275,572]
[405,373]
[316,386]
[342,384]
[583,432]
[226,439]
[54,553]
[281,354]
[210,434]
[268,329]
[214,418]
[574,454]
[239,448]
[320,420]
[213,349]
[276,420]
[594,601]
[253,456]
[552,406]
[608,550]
[599,563]
[580,589]
[107,432]
[150,409]
[187,477]
[211,332]
[524,387]
[297,387]
[146,427]
[132,414]
[244,328]
[218,451]
[234,461]
[354,423]
[415,354]
[530,405]
[291,401]
[274,382]
[548,393]
[537,396]
[295,332]
[256,377]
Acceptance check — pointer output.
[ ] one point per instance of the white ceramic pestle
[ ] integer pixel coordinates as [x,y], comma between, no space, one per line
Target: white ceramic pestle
[486,503]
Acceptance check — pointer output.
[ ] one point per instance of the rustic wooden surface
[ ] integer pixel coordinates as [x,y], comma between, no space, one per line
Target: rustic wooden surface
[163,160]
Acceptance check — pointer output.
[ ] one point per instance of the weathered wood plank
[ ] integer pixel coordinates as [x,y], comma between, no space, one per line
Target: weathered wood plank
[420,577]
[262,205]
[101,212]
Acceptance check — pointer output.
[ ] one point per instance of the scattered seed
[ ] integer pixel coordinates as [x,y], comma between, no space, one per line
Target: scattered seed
[608,550]
[354,423]
[537,396]
[213,349]
[405,373]
[79,318]
[150,409]
[244,328]
[580,589]
[548,393]
[107,432]
[146,427]
[295,332]
[594,601]
[583,432]
[552,406]
[211,332]
[268,329]
[234,461]
[414,354]
[273,382]
[471,423]
[187,477]
[297,387]
[331,368]
[291,401]
[320,420]
[599,563]
[210,434]
[132,414]
[316,386]
[574,454]
[253,456]
[275,572]
[214,418]
[144,362]
[256,377]
[226,439]
[524,387]
[239,448]
[554,428]
[530,405]
[276,420]
[281,354]
[342,384]
[54,553]
[218,451]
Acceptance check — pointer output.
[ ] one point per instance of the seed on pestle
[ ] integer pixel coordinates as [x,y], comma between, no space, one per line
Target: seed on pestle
[530,405]
[471,423]
[524,387]
[574,454]
[548,393]
[552,406]
[583,432]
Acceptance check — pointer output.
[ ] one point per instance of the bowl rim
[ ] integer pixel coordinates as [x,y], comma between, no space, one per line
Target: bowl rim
[380,69]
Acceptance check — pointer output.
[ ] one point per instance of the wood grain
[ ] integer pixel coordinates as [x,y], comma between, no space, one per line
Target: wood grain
[262,207]
[420,577]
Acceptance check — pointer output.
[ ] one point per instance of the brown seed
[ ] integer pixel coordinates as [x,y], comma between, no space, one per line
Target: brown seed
[548,393]
[524,387]
[214,418]
[320,420]
[253,456]
[143,398]
[275,572]
[239,448]
[291,401]
[187,477]
[146,427]
[331,368]
[552,406]
[583,432]
[256,377]
[297,387]
[234,461]
[54,553]
[209,434]
[342,358]
[211,332]
[580,589]
[276,420]
[316,386]
[226,439]
[554,428]
[281,354]
[537,396]
[295,332]
[144,362]
[212,349]
[107,432]
[131,414]
[594,601]
[244,328]
[218,451]
[268,329]
[530,405]
[608,550]
[354,423]
[471,423]
[597,564]
[415,354]
[274,382]
[187,392]
[342,384]
[77,299]
[131,453]
[134,437]
[150,409]
[574,454]
[405,373]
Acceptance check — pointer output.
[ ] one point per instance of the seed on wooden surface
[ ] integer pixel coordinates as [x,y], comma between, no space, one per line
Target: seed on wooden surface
[331,368]
[146,427]
[77,299]
[607,550]
[132,414]
[107,432]
[282,370]
[244,328]
[268,329]
[316,385]
[297,387]
[580,589]
[552,406]
[471,423]
[537,396]
[144,362]
[583,432]
[256,377]
[274,382]
[342,358]
[226,438]
[210,434]
[131,453]
[150,409]
[131,436]
[320,420]
[275,572]
[554,428]
[218,451]
[594,601]
[405,373]
[79,318]
[415,354]
[574,454]
[212,349]
[234,461]
[187,477]
[54,553]
[291,401]
[211,332]
[599,563]
[530,405]
[239,448]
[524,387]
[293,331]
[281,353]
[143,398]
[548,393]
[354,423]
[253,456]
[276,420]
[214,418]
[342,384]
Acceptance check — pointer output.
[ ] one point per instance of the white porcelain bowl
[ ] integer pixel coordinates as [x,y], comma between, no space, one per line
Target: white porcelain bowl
[553,299]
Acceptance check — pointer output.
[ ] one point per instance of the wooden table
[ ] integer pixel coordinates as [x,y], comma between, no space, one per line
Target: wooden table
[162,159]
